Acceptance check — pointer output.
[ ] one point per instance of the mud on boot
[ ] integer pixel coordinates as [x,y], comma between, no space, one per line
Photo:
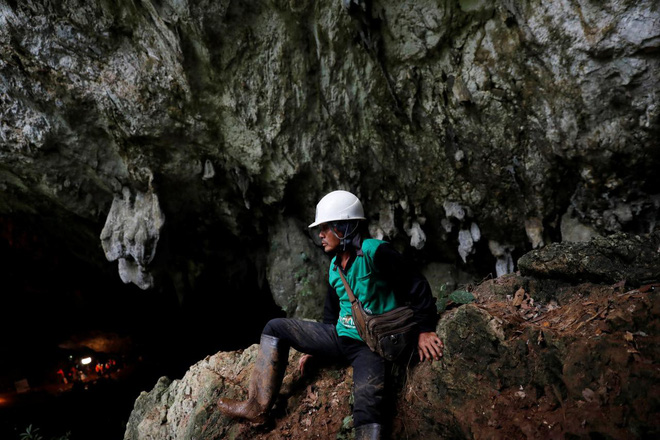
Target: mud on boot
[264,385]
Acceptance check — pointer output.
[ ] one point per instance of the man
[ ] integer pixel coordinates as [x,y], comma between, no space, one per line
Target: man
[382,281]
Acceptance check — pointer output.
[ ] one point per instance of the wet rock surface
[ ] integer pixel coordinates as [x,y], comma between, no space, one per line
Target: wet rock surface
[529,358]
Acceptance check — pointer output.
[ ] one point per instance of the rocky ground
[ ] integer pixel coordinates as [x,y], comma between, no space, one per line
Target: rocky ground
[532,357]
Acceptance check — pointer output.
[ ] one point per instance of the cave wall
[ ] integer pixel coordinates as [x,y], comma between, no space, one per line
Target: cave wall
[183,138]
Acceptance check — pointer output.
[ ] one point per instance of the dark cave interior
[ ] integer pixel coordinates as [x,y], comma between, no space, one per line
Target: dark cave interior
[56,299]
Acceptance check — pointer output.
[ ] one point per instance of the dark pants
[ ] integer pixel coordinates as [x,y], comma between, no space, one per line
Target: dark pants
[369,368]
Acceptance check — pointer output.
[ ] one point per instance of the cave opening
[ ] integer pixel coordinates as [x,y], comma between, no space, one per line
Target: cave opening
[67,306]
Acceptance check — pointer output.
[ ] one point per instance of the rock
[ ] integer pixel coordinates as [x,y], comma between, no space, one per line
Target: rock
[131,235]
[506,377]
[534,228]
[491,113]
[574,231]
[465,244]
[633,258]
[296,270]
[504,260]
[528,358]
[186,408]
[502,376]
[444,278]
[417,236]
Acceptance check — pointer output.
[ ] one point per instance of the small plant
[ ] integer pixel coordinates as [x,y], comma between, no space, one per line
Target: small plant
[31,433]
[346,430]
[460,296]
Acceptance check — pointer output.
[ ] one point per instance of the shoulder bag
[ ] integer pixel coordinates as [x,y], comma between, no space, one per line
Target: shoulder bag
[388,334]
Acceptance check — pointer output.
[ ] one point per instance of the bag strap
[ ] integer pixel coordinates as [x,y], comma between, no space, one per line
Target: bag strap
[359,315]
[351,297]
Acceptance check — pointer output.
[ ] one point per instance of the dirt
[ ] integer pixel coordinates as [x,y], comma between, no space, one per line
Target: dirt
[315,407]
[588,369]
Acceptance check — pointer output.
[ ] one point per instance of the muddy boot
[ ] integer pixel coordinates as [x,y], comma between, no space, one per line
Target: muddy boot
[368,432]
[264,384]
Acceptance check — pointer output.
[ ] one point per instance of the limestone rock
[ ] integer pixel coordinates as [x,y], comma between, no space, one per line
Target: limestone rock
[491,113]
[633,258]
[574,231]
[297,270]
[186,408]
[131,235]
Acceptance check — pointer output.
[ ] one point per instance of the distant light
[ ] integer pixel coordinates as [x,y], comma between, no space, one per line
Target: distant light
[86,361]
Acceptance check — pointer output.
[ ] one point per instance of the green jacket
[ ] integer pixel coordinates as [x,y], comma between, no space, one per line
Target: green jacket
[368,285]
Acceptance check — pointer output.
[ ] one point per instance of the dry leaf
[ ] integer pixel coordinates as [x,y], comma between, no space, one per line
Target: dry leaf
[518,297]
[621,284]
[588,394]
[628,337]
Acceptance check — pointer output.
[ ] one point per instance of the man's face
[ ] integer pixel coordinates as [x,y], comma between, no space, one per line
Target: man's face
[329,238]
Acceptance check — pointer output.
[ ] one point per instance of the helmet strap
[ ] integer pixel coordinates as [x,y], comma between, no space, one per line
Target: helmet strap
[348,236]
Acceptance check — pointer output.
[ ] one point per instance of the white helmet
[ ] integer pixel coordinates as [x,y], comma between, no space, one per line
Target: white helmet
[337,206]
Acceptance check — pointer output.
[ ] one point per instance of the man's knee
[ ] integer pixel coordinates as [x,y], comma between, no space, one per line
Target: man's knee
[274,327]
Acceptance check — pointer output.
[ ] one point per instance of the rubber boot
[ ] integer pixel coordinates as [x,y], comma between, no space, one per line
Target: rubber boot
[264,384]
[371,431]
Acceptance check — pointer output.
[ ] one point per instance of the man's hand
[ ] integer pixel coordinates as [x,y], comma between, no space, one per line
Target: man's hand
[429,346]
[302,362]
